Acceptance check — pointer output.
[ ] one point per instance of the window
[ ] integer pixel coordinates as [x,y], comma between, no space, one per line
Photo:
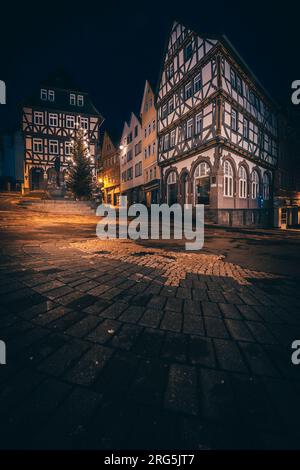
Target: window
[188,90]
[155,172]
[166,140]
[153,125]
[270,145]
[145,153]
[254,185]
[138,169]
[70,122]
[188,51]
[242,182]
[198,124]
[47,95]
[171,105]
[239,85]
[172,178]
[38,118]
[138,148]
[84,122]
[72,99]
[129,155]
[38,145]
[197,83]
[170,70]
[68,148]
[149,129]
[172,138]
[80,100]
[164,111]
[136,131]
[129,138]
[153,147]
[254,100]
[189,129]
[53,147]
[228,179]
[266,187]
[53,120]
[51,95]
[151,171]
[233,78]
[246,129]
[145,132]
[44,94]
[149,150]
[129,174]
[234,120]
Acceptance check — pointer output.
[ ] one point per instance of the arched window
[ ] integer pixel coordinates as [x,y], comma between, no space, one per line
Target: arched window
[254,185]
[202,183]
[266,186]
[228,179]
[242,182]
[172,188]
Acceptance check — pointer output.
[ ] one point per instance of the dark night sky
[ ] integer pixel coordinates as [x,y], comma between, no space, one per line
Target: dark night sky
[110,49]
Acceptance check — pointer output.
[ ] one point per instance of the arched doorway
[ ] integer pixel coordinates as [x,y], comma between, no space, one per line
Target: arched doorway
[172,188]
[185,188]
[202,183]
[36,178]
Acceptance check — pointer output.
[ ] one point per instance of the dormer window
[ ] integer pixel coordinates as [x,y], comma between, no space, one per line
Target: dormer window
[188,51]
[47,95]
[79,100]
[72,99]
[44,94]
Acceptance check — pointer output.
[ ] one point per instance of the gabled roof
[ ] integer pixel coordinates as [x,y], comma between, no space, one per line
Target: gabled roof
[146,87]
[226,43]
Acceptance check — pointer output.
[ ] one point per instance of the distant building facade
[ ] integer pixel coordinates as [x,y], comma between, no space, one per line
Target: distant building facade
[11,160]
[131,161]
[151,170]
[217,131]
[50,117]
[109,175]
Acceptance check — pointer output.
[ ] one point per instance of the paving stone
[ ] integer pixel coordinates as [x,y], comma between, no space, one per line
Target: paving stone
[117,375]
[63,358]
[215,296]
[258,359]
[249,313]
[58,292]
[230,311]
[149,343]
[66,320]
[98,307]
[181,393]
[238,330]
[174,304]
[151,318]
[82,302]
[201,352]
[105,331]
[83,327]
[175,347]
[229,356]
[48,316]
[150,382]
[261,333]
[217,400]
[215,327]
[199,294]
[48,286]
[192,307]
[157,301]
[210,309]
[132,314]
[89,365]
[193,324]
[69,422]
[171,321]
[126,337]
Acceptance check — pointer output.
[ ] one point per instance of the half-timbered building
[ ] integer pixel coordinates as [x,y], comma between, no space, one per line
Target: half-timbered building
[217,130]
[50,117]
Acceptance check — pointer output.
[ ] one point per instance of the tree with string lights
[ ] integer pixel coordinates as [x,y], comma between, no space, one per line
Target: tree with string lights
[80,176]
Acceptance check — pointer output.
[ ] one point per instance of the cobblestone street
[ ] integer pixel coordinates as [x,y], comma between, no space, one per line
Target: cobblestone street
[120,345]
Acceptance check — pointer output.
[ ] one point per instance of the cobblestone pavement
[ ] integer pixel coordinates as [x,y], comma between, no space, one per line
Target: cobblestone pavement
[115,345]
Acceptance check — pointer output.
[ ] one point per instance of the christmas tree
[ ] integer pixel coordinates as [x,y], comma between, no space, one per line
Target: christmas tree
[80,177]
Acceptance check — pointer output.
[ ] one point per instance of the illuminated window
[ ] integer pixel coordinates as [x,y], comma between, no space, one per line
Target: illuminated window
[70,122]
[254,185]
[53,120]
[38,118]
[53,147]
[72,99]
[84,123]
[80,101]
[37,145]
